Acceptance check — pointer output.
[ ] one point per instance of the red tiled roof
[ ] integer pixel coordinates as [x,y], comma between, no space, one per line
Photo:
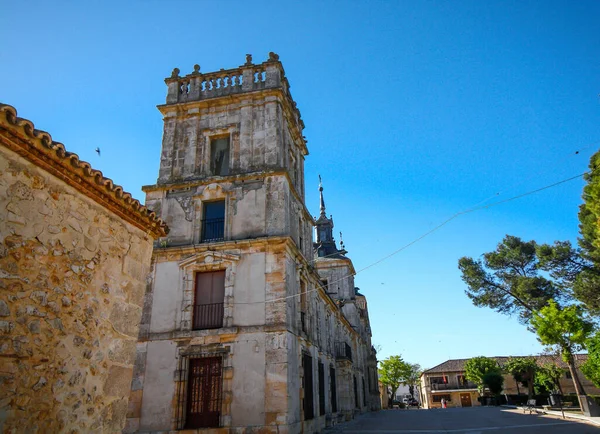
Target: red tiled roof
[458,365]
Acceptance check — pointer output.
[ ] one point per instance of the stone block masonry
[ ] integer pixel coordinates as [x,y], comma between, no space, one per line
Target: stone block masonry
[72,281]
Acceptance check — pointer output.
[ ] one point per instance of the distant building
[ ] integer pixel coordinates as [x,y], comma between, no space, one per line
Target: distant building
[447,381]
[75,252]
[248,326]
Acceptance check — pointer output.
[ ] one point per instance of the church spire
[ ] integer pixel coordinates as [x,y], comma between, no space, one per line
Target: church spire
[321,197]
[325,245]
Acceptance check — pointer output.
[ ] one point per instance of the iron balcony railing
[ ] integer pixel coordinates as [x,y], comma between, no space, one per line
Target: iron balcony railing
[213,230]
[450,386]
[208,316]
[343,351]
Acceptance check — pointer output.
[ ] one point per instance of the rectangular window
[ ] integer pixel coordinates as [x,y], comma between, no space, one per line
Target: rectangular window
[219,156]
[209,295]
[303,307]
[364,393]
[213,221]
[321,389]
[461,380]
[438,398]
[300,238]
[333,387]
[308,387]
[438,380]
[355,393]
[204,388]
[325,284]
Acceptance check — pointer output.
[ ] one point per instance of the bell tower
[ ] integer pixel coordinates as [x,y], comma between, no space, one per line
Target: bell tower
[232,160]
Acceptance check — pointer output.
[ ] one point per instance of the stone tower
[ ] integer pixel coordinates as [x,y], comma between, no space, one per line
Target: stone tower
[230,335]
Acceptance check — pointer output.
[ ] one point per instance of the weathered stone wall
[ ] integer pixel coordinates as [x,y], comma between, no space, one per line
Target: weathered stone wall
[72,280]
[258,133]
[254,208]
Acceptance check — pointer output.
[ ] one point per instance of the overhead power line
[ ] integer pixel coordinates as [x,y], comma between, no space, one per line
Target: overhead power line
[436,228]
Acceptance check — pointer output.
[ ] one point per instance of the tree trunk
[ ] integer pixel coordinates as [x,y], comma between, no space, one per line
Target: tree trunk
[517,383]
[573,370]
[557,383]
[530,388]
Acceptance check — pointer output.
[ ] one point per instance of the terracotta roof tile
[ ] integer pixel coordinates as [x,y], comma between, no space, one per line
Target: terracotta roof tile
[458,365]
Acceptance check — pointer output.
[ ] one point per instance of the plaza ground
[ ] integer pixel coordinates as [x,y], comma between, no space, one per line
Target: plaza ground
[461,420]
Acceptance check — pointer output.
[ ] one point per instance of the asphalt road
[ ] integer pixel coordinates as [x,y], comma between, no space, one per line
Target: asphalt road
[474,420]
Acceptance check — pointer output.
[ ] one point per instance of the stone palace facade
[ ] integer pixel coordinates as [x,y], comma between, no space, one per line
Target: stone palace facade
[248,325]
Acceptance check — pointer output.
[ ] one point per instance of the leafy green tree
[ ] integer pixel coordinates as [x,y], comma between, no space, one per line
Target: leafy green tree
[587,284]
[566,330]
[494,381]
[508,279]
[523,370]
[477,367]
[547,378]
[591,368]
[413,376]
[574,272]
[393,371]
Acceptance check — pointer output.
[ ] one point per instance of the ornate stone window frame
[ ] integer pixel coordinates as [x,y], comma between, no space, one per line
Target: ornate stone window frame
[187,352]
[220,133]
[211,193]
[202,262]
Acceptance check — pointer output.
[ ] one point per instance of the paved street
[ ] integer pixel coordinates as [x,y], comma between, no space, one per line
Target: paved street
[461,420]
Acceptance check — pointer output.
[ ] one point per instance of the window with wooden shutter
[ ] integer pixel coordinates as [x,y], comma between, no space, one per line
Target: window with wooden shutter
[333,386]
[208,300]
[309,412]
[321,389]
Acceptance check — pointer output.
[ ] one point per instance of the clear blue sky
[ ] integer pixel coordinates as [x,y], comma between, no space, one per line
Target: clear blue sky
[413,111]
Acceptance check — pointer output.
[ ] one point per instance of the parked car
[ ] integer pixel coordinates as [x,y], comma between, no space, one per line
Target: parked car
[413,402]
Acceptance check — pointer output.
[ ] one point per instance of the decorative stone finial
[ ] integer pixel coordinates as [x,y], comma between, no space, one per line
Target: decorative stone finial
[248,59]
[341,241]
[273,56]
[175,73]
[196,69]
[322,207]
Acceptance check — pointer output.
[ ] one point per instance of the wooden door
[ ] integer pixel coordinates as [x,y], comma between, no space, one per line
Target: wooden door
[465,399]
[204,392]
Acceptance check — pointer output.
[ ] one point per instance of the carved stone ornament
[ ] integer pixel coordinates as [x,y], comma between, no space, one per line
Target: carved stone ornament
[175,73]
[248,59]
[196,69]
[273,56]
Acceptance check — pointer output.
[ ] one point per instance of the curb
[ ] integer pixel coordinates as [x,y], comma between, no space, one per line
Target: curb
[595,421]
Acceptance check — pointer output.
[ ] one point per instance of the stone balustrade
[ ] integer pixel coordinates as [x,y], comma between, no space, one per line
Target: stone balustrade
[250,77]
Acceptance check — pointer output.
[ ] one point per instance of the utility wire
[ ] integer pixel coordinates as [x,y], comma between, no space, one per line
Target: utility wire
[444,223]
[545,169]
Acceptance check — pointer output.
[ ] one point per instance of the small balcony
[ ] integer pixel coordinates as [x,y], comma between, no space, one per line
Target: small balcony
[213,230]
[451,386]
[208,316]
[343,351]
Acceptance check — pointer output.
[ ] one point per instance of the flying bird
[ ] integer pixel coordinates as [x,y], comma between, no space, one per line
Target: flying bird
[98,151]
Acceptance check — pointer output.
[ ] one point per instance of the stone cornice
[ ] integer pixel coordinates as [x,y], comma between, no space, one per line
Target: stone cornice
[191,183]
[182,108]
[181,253]
[322,263]
[20,136]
